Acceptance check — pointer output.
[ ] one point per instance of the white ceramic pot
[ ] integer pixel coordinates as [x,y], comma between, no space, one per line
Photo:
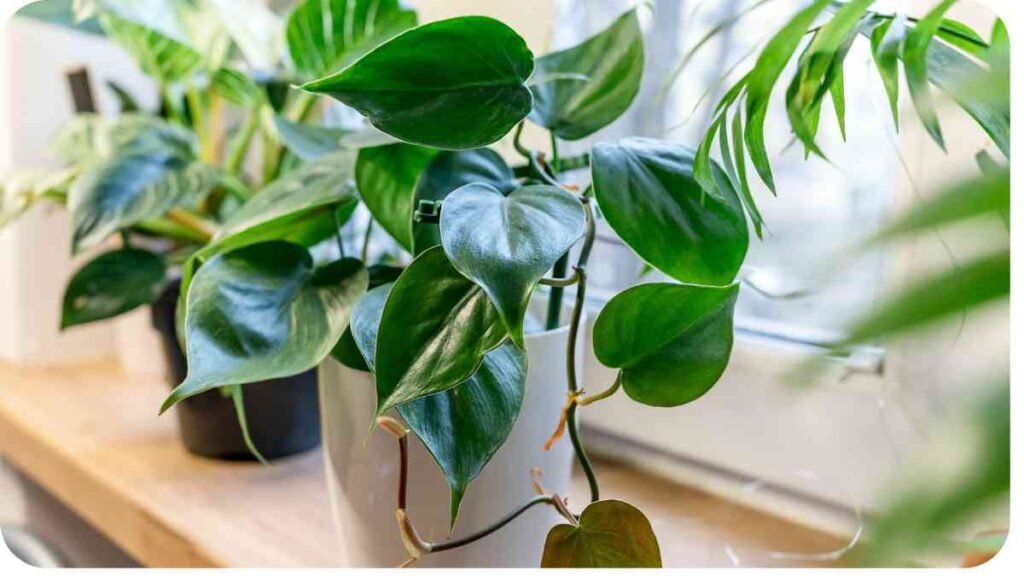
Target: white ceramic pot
[362,472]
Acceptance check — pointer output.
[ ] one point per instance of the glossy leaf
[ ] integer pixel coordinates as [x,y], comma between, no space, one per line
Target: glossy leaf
[507,243]
[263,312]
[886,47]
[451,170]
[280,208]
[453,84]
[611,65]
[386,177]
[463,427]
[324,35]
[671,342]
[129,189]
[915,64]
[749,204]
[435,330]
[111,284]
[648,195]
[610,534]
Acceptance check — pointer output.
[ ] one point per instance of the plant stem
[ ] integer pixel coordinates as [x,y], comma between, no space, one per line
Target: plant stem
[242,141]
[199,123]
[587,400]
[556,163]
[366,240]
[337,234]
[169,229]
[555,296]
[173,112]
[197,225]
[451,544]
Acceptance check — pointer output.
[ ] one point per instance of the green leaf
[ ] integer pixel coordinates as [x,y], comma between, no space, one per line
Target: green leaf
[463,427]
[386,177]
[762,78]
[453,84]
[238,399]
[283,207]
[649,196]
[886,47]
[91,138]
[324,35]
[915,64]
[970,285]
[236,87]
[451,170]
[20,190]
[263,312]
[307,141]
[435,330]
[670,341]
[126,102]
[111,284]
[163,57]
[612,64]
[255,29]
[963,37]
[129,189]
[610,534]
[749,204]
[507,243]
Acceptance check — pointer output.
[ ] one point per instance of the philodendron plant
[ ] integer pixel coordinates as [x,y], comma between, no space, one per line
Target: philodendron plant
[445,335]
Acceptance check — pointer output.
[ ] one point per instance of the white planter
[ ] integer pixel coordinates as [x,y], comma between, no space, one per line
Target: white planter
[362,472]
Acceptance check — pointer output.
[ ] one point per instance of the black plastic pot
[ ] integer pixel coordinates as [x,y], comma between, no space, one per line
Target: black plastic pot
[283,414]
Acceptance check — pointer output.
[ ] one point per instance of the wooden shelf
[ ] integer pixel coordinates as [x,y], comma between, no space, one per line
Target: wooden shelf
[90,436]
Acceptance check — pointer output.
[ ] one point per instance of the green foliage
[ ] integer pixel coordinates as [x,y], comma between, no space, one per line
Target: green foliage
[264,312]
[505,244]
[671,342]
[610,534]
[422,89]
[111,284]
[649,196]
[582,89]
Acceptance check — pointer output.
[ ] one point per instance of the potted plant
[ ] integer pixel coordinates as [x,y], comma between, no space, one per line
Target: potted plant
[175,182]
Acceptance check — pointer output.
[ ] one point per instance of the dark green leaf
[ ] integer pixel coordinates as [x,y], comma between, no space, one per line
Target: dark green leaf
[238,399]
[452,84]
[507,243]
[263,312]
[670,341]
[973,284]
[649,196]
[386,177]
[435,330]
[762,78]
[111,284]
[749,204]
[610,534]
[612,65]
[129,189]
[963,37]
[915,64]
[462,427]
[324,35]
[448,172]
[125,100]
[284,206]
[886,47]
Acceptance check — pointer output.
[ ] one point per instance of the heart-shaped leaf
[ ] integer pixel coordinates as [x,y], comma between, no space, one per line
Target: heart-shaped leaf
[435,330]
[112,283]
[582,89]
[324,35]
[454,84]
[671,342]
[264,312]
[506,243]
[129,189]
[648,195]
[610,534]
[283,207]
[463,427]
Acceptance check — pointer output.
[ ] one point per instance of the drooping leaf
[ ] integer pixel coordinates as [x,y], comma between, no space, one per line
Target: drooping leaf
[238,399]
[386,177]
[671,342]
[972,284]
[129,189]
[462,427]
[963,37]
[610,534]
[915,64]
[451,170]
[453,84]
[284,206]
[255,29]
[762,78]
[611,64]
[325,35]
[886,47]
[435,330]
[263,312]
[749,204]
[507,243]
[648,195]
[111,284]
